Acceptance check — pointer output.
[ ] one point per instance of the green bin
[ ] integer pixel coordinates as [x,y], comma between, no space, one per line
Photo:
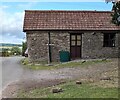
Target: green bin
[64,56]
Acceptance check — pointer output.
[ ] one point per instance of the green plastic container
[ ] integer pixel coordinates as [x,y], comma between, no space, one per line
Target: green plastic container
[64,56]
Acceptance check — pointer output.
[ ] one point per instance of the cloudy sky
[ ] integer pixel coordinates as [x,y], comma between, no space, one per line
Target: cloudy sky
[12,14]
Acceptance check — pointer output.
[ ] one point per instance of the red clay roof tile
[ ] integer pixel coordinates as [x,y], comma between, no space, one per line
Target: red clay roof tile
[68,20]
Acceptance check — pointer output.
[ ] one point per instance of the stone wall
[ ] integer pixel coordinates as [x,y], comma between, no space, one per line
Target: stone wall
[37,45]
[60,41]
[118,39]
[92,46]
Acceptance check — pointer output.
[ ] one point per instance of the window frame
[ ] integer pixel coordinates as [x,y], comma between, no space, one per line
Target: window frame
[76,40]
[110,41]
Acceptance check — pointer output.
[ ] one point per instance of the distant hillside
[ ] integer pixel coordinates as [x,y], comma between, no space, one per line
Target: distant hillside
[9,45]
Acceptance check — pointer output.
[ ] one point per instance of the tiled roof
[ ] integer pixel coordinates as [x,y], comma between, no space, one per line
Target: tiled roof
[68,20]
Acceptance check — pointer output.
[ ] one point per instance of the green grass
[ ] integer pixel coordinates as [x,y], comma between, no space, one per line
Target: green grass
[56,65]
[71,90]
[25,61]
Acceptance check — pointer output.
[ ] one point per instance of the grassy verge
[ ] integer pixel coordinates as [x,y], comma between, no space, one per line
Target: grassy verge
[72,90]
[56,65]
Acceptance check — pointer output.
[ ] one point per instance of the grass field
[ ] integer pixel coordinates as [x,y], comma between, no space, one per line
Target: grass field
[72,90]
[56,65]
[8,47]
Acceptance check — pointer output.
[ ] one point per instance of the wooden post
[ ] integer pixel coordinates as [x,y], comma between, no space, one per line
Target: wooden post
[49,49]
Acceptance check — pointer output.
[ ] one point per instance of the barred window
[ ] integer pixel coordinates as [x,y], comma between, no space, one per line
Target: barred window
[109,40]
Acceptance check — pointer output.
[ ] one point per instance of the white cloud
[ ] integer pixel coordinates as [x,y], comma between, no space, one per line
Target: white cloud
[12,26]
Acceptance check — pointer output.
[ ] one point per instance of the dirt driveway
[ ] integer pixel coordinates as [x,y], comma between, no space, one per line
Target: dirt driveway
[44,78]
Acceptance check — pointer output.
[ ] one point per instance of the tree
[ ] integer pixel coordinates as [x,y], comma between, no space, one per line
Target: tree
[15,50]
[116,14]
[5,52]
[116,11]
[24,47]
[112,1]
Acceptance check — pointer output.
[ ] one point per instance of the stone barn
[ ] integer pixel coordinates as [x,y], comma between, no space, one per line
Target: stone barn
[85,34]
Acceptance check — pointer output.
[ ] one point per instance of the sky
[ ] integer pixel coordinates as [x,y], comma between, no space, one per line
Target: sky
[12,14]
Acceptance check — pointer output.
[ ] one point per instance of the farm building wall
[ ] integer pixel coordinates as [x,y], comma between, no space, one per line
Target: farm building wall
[37,44]
[92,45]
